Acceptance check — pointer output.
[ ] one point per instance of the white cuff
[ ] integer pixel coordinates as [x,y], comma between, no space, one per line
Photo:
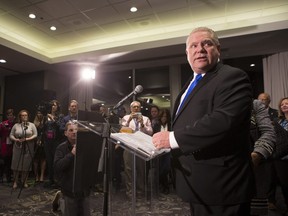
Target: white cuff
[172,140]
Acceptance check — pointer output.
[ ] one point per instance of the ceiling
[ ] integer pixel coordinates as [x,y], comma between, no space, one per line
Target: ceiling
[106,34]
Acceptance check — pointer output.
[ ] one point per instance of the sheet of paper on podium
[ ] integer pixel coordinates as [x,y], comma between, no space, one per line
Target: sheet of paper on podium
[140,143]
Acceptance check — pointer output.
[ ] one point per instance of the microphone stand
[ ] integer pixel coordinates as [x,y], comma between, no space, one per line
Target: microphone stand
[106,135]
[24,145]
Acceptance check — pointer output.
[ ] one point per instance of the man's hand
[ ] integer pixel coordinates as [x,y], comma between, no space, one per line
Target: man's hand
[256,158]
[161,140]
[73,151]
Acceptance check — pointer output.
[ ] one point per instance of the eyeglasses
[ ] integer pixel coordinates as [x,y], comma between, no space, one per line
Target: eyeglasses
[135,106]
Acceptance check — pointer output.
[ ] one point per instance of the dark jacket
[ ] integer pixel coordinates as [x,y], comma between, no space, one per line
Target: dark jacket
[212,130]
[64,170]
[273,113]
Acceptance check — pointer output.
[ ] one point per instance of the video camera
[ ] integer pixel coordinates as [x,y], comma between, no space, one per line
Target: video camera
[44,107]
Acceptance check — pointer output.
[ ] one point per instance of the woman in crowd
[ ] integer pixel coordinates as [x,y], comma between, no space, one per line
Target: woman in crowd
[23,134]
[39,158]
[6,144]
[52,137]
[281,164]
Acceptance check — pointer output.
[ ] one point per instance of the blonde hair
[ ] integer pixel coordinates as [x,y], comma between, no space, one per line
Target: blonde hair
[281,114]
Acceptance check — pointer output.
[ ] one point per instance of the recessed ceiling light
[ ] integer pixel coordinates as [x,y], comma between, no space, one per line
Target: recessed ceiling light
[133,9]
[32,16]
[53,28]
[252,65]
[2,61]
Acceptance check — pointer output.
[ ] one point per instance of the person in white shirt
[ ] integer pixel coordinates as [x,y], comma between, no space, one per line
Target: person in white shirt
[136,122]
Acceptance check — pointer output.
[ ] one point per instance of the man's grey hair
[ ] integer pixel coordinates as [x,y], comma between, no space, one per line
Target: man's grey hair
[206,29]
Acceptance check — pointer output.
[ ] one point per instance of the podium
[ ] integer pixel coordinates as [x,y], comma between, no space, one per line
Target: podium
[92,160]
[139,149]
[88,157]
[93,165]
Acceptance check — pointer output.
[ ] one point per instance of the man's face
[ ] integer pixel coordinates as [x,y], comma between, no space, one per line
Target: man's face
[154,112]
[202,52]
[73,108]
[102,110]
[71,133]
[135,107]
[264,99]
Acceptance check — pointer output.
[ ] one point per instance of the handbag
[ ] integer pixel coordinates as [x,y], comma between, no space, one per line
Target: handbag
[281,145]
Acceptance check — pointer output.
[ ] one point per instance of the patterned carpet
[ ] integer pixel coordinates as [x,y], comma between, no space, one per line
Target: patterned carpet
[37,201]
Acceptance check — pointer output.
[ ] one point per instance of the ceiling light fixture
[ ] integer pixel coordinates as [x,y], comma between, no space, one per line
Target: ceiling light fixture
[3,61]
[133,9]
[32,16]
[252,65]
[53,28]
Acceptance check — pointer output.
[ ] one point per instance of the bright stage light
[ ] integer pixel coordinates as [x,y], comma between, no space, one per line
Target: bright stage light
[88,74]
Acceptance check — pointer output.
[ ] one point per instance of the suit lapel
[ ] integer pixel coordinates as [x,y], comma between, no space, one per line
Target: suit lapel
[208,76]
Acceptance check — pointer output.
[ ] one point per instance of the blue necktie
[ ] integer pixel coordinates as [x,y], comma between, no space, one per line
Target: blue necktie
[191,87]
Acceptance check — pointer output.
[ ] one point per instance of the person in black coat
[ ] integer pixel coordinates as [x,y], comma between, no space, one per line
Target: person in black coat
[76,204]
[265,99]
[210,133]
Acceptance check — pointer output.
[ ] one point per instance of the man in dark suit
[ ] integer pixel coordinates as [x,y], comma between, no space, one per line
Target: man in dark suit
[265,99]
[210,134]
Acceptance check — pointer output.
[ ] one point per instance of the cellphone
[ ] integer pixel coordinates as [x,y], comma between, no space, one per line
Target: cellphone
[138,114]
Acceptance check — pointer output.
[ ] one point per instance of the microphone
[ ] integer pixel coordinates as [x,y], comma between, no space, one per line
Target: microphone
[25,124]
[138,89]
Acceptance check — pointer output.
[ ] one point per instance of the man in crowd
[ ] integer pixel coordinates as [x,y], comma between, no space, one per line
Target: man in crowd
[265,99]
[75,203]
[136,122]
[72,115]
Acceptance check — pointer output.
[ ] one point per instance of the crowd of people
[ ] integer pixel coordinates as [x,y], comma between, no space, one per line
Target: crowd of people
[30,146]
[221,141]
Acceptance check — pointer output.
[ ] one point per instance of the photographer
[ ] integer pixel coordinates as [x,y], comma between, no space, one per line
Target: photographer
[135,121]
[23,134]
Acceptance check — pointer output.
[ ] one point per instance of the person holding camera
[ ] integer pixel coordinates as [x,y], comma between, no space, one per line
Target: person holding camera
[135,121]
[22,134]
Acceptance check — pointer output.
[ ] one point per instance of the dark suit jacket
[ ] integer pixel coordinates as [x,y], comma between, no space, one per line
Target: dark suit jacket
[273,113]
[212,130]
